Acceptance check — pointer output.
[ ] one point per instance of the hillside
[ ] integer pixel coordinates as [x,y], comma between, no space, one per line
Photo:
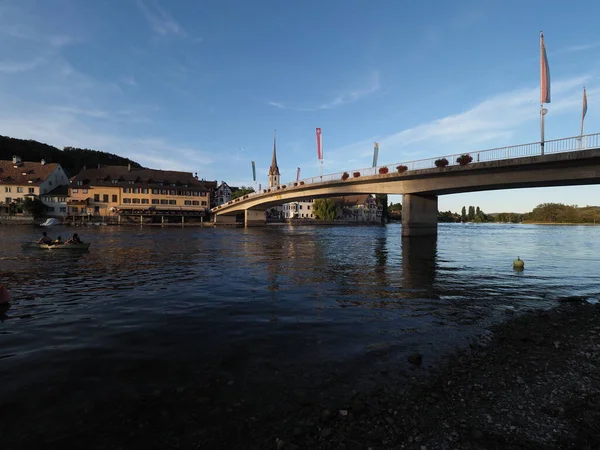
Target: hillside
[71,159]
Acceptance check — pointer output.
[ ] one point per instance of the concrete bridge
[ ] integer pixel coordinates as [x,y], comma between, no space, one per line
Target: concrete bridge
[560,162]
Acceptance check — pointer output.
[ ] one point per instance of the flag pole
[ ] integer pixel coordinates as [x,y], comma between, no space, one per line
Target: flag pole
[541,91]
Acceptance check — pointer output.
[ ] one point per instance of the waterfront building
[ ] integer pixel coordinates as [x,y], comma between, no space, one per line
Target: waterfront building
[298,210]
[223,193]
[359,208]
[110,191]
[56,201]
[21,179]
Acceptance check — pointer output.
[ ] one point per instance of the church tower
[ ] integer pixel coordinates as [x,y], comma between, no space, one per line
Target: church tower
[274,170]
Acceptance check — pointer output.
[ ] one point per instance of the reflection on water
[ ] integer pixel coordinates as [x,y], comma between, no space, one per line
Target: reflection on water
[265,315]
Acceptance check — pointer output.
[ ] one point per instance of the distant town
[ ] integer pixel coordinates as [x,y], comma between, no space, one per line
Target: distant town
[81,186]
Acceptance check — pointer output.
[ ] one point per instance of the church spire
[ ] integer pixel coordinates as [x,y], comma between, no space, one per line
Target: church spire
[274,169]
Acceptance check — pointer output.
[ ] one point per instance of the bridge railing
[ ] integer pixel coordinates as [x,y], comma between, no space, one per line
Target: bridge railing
[563,145]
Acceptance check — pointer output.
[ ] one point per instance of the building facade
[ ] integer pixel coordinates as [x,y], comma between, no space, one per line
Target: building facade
[223,193]
[19,180]
[110,191]
[56,201]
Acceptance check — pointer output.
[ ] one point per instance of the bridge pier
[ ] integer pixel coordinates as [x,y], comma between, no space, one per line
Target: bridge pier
[254,218]
[419,215]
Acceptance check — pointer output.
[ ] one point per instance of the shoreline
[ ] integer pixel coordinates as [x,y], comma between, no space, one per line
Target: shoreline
[533,384]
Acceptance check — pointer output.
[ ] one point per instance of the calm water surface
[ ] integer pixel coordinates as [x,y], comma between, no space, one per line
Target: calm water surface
[259,313]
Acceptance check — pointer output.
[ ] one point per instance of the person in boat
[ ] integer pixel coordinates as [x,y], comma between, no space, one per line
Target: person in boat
[58,241]
[5,296]
[74,240]
[45,239]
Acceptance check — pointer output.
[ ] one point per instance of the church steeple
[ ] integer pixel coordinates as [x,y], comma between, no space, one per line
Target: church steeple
[274,169]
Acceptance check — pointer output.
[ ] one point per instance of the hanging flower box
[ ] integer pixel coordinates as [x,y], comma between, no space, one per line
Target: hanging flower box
[301,183]
[345,176]
[356,174]
[442,162]
[465,159]
[383,170]
[401,168]
[295,184]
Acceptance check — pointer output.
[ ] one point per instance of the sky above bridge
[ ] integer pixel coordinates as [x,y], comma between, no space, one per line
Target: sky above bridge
[201,85]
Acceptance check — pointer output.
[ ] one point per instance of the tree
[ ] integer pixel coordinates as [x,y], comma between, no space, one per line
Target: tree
[325,209]
[477,211]
[382,199]
[241,192]
[34,206]
[463,214]
[471,214]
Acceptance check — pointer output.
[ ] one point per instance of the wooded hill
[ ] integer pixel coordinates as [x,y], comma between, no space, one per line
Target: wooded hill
[70,158]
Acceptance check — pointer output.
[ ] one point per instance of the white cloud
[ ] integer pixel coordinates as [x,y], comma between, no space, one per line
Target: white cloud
[341,98]
[160,20]
[578,48]
[19,66]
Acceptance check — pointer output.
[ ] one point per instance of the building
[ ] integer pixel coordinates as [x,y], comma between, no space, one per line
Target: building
[359,208]
[56,201]
[298,210]
[19,180]
[109,191]
[223,193]
[274,175]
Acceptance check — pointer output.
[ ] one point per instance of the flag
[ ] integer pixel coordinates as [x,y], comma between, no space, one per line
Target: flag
[298,175]
[544,73]
[253,171]
[319,144]
[375,154]
[584,112]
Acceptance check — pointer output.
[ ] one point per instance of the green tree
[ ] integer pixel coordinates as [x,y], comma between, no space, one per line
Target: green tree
[463,214]
[471,214]
[34,206]
[241,192]
[325,209]
[382,199]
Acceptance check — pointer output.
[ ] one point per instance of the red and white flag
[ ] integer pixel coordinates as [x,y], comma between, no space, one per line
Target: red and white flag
[544,73]
[319,144]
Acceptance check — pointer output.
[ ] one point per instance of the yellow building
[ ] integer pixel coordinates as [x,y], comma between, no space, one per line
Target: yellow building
[111,191]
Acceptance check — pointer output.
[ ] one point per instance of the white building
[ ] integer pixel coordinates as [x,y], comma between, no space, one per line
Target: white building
[56,201]
[223,193]
[19,180]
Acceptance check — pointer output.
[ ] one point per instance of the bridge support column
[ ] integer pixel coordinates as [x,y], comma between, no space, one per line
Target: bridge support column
[419,215]
[226,220]
[254,218]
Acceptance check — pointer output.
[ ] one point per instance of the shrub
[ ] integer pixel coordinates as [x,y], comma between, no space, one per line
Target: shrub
[465,159]
[401,168]
[383,170]
[442,162]
[356,174]
[345,176]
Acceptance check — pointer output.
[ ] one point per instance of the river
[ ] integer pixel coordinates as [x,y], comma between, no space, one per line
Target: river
[252,321]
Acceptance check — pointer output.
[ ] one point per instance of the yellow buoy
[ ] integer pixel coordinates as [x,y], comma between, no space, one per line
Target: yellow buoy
[518,263]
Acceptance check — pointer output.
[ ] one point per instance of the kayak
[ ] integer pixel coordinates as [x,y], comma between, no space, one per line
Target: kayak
[82,246]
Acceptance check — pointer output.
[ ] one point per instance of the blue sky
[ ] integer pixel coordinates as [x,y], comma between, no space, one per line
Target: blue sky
[201,85]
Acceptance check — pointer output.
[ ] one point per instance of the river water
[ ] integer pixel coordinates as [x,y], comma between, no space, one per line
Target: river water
[259,319]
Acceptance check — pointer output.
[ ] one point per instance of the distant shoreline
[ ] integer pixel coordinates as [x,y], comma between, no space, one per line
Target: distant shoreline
[527,222]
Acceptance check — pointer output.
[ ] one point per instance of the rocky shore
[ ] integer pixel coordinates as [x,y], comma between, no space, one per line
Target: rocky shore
[535,384]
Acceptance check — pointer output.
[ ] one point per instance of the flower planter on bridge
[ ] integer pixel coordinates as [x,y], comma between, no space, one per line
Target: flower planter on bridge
[401,168]
[465,159]
[356,174]
[383,170]
[345,176]
[442,162]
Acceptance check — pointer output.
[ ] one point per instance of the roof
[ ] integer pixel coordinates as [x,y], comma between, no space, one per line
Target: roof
[30,173]
[123,175]
[59,191]
[352,200]
[274,170]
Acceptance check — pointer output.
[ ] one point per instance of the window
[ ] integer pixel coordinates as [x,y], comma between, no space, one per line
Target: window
[19,189]
[172,202]
[31,190]
[84,191]
[202,194]
[163,191]
[136,200]
[155,201]
[172,192]
[75,191]
[126,200]
[126,190]
[195,202]
[96,210]
[195,194]
[114,181]
[188,193]
[80,183]
[203,203]
[96,197]
[63,209]
[173,184]
[300,206]
[105,198]
[155,191]
[307,206]
[74,209]
[49,183]
[83,210]
[145,201]
[136,190]
[114,199]
[144,191]
[131,182]
[187,202]
[164,202]
[7,189]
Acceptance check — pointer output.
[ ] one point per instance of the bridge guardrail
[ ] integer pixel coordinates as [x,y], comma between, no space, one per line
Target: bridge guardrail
[563,145]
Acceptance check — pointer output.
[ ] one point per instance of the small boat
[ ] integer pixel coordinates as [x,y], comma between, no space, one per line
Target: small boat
[50,222]
[82,246]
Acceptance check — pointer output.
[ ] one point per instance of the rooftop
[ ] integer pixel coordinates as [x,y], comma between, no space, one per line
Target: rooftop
[26,173]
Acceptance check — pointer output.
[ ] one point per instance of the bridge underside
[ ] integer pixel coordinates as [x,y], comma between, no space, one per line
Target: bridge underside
[420,188]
